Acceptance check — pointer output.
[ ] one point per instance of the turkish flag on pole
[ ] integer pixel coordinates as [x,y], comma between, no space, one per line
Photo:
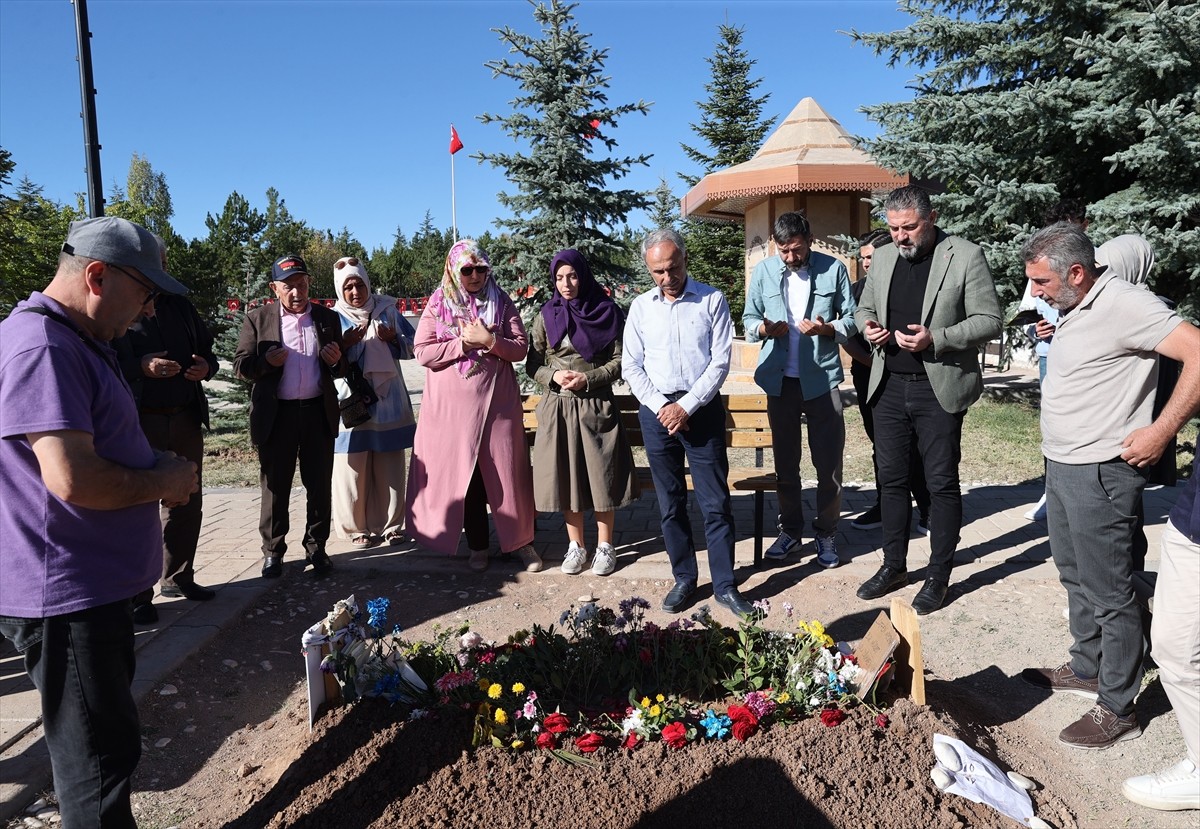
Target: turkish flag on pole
[456,143]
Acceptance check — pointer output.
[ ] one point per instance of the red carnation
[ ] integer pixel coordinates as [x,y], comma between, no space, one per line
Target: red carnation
[745,724]
[547,740]
[675,735]
[632,740]
[881,721]
[556,723]
[832,716]
[587,743]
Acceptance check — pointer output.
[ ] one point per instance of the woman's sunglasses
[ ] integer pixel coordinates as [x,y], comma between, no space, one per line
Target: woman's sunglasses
[478,270]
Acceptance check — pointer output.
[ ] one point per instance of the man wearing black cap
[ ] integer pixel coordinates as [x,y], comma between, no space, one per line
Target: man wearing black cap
[79,492]
[290,351]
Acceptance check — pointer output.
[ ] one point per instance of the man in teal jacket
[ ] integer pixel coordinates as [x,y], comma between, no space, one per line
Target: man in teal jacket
[928,307]
[799,306]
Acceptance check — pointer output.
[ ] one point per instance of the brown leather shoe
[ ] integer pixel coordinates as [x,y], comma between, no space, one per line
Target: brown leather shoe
[1100,729]
[1062,680]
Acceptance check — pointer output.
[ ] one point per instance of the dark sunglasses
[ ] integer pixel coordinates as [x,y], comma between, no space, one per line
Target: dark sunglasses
[349,260]
[478,270]
[155,292]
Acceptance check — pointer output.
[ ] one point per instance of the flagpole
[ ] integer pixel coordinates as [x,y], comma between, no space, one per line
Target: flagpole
[453,214]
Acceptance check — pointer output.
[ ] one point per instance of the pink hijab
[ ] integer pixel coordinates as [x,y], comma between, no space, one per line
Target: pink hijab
[454,307]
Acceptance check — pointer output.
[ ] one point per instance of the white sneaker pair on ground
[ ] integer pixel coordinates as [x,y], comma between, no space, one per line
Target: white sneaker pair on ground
[785,545]
[1038,513]
[577,559]
[1170,790]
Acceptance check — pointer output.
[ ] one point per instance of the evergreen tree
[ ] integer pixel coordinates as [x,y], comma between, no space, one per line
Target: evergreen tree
[564,196]
[1021,103]
[664,212]
[733,127]
[32,230]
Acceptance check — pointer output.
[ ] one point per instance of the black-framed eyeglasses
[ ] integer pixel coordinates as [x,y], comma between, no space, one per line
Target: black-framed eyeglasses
[478,270]
[155,291]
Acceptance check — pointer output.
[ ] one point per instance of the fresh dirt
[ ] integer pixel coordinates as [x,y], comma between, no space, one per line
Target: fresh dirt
[227,742]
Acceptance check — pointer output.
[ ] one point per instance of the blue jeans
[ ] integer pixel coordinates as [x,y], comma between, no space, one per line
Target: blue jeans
[1091,514]
[82,665]
[703,444]
[908,415]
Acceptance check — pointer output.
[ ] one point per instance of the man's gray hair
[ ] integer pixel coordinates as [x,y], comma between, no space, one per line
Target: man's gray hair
[909,197]
[663,234]
[1062,244]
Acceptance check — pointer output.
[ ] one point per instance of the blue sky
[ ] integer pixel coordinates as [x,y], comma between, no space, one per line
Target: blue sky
[345,107]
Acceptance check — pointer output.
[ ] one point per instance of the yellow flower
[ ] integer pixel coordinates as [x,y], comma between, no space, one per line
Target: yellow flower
[645,702]
[518,744]
[783,697]
[484,684]
[494,691]
[655,710]
[828,641]
[818,629]
[661,698]
[501,717]
[519,688]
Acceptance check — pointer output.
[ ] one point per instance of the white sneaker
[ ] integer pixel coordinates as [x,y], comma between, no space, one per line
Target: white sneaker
[575,561]
[530,558]
[783,546]
[1038,513]
[605,561]
[827,555]
[1170,790]
[477,560]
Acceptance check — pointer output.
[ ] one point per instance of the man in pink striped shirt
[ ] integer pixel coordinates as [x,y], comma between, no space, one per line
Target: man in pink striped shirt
[291,351]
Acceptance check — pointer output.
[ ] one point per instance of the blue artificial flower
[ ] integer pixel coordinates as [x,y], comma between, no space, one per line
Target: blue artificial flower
[377,612]
[716,725]
[386,685]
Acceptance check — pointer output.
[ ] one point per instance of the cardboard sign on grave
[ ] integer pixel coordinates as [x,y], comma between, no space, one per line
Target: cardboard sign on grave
[873,652]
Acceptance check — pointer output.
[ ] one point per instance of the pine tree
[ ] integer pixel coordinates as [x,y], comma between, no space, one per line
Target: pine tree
[664,212]
[732,126]
[564,197]
[1021,103]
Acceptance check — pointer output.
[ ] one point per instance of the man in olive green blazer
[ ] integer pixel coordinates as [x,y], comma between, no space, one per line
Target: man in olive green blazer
[926,311]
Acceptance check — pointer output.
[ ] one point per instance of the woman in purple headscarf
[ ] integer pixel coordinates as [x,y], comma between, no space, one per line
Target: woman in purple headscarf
[581,458]
[470,450]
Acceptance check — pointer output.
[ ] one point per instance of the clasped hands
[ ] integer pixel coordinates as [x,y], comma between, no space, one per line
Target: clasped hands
[570,380]
[330,353]
[919,340]
[810,328]
[156,365]
[476,335]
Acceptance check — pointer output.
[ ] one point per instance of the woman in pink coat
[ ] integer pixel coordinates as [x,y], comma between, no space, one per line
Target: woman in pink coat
[470,450]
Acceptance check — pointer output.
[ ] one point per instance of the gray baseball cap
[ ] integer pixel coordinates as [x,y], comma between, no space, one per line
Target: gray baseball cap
[121,242]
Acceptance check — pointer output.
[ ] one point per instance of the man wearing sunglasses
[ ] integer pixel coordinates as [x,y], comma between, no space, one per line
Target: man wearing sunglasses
[80,488]
[291,350]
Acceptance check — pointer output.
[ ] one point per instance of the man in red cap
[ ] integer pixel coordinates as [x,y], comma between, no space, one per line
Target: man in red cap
[290,351]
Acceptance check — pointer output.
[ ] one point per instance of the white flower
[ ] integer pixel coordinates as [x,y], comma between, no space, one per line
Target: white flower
[633,722]
[470,640]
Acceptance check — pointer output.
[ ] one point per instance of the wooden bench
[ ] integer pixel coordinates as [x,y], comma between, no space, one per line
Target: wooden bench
[746,427]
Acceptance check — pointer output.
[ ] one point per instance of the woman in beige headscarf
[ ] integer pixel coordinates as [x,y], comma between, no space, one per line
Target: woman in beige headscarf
[368,460]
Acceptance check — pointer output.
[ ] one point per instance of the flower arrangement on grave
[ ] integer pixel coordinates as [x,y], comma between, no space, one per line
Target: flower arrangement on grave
[603,677]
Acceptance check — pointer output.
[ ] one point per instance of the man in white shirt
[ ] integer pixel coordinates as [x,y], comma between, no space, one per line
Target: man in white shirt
[800,306]
[677,346]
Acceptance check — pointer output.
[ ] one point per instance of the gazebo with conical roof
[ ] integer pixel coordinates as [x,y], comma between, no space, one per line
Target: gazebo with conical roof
[809,163]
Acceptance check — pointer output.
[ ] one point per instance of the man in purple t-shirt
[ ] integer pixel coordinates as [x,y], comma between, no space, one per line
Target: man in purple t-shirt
[79,494]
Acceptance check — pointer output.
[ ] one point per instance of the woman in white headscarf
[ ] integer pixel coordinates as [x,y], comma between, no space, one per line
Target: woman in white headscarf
[368,462]
[1131,258]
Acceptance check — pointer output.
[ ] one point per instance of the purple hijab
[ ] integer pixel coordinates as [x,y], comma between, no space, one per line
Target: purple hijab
[592,319]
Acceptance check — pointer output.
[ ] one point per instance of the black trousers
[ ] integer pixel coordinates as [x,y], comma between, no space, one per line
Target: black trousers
[908,415]
[300,430]
[861,375]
